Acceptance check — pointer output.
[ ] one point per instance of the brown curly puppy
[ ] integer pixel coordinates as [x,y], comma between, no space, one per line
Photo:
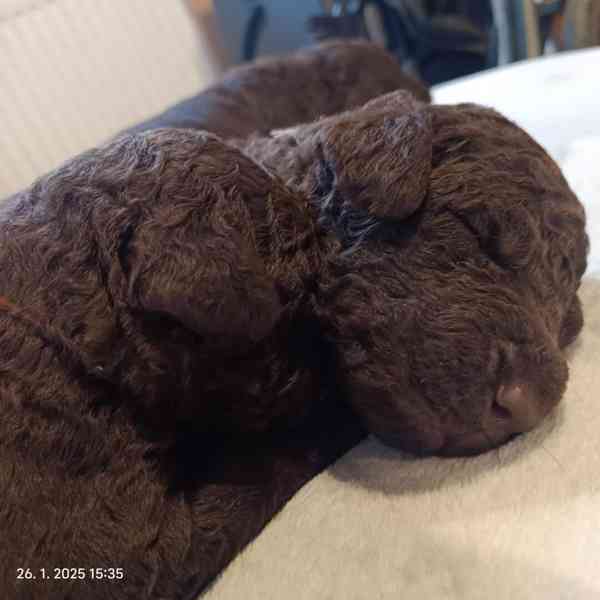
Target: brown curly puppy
[184,331]
[276,93]
[451,288]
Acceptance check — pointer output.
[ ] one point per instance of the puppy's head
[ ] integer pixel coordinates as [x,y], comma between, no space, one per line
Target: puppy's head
[171,279]
[454,292]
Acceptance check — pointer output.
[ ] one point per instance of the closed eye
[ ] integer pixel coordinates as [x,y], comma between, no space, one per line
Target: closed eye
[488,244]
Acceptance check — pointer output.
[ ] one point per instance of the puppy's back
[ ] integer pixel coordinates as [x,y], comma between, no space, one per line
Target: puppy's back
[275,93]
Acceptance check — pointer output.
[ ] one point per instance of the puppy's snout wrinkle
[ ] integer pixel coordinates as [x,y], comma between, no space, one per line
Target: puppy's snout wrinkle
[529,383]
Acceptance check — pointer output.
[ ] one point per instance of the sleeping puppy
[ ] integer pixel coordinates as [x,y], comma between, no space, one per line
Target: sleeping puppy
[458,250]
[275,92]
[192,329]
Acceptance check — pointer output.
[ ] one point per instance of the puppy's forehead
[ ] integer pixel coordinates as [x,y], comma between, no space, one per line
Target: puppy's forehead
[467,127]
[482,158]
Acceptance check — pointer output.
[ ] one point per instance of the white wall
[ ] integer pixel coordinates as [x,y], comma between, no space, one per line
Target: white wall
[73,72]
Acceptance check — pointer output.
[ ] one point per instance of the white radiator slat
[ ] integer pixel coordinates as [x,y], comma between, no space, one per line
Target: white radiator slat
[74,72]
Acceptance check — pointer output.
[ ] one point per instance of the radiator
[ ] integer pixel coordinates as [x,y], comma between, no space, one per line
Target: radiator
[74,72]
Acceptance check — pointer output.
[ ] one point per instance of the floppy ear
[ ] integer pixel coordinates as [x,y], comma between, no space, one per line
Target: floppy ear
[572,323]
[195,255]
[374,161]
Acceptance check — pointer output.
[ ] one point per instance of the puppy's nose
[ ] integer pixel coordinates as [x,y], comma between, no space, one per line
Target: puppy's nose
[518,404]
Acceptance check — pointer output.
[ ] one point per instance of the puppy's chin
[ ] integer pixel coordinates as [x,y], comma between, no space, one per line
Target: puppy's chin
[438,443]
[420,443]
[473,444]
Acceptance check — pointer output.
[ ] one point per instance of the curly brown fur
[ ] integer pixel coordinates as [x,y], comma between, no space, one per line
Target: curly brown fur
[458,290]
[155,320]
[186,335]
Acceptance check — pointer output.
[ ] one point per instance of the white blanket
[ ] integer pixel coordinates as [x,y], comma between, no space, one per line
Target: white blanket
[521,522]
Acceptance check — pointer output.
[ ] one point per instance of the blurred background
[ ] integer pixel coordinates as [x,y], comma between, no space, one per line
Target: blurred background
[438,39]
[75,72]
